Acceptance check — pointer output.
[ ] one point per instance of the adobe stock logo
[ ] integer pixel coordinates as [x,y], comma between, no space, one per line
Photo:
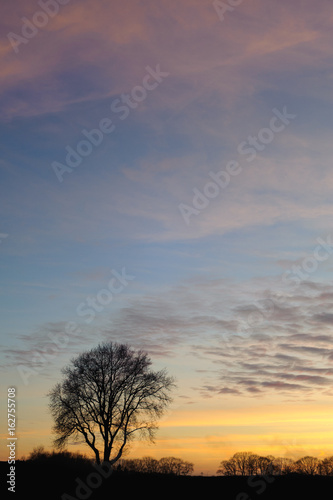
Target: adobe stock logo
[93,138]
[294,276]
[93,481]
[220,181]
[104,297]
[221,8]
[310,263]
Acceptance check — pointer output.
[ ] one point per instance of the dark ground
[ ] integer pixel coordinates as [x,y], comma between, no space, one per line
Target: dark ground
[40,481]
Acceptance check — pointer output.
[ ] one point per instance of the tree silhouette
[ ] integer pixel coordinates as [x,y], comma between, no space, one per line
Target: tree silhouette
[245,462]
[109,394]
[307,465]
[166,465]
[228,467]
[265,465]
[177,466]
[326,466]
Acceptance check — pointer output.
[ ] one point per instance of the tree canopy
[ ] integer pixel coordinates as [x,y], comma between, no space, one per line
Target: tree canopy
[108,395]
[246,463]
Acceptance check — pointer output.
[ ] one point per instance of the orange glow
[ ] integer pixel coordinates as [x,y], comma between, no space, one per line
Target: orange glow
[207,437]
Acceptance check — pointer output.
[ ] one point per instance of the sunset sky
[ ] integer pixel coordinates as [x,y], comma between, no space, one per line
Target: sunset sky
[166,181]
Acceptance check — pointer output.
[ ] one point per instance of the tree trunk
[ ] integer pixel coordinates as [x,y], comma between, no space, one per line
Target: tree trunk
[107,451]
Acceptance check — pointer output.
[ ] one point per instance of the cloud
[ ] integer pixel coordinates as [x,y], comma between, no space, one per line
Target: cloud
[225,79]
[212,58]
[200,320]
[282,386]
[324,317]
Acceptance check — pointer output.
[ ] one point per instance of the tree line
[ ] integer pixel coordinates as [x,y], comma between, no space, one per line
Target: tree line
[165,465]
[243,463]
[249,464]
[146,465]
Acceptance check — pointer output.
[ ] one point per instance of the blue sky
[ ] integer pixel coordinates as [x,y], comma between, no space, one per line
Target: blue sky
[197,284]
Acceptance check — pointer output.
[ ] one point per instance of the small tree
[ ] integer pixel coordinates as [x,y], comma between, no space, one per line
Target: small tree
[108,394]
[175,466]
[253,464]
[265,465]
[149,465]
[307,465]
[283,466]
[326,466]
[39,453]
[227,468]
[245,461]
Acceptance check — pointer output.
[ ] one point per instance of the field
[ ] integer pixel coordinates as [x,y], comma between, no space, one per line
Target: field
[70,482]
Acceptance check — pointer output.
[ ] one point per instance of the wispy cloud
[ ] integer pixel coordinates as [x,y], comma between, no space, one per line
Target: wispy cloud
[230,54]
[289,353]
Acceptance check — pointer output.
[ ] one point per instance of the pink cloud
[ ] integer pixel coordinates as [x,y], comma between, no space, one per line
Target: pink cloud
[118,40]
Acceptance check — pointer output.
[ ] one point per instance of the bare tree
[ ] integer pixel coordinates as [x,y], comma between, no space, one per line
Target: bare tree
[283,465]
[228,467]
[265,465]
[308,465]
[149,465]
[108,395]
[244,461]
[326,466]
[176,466]
[166,465]
[253,464]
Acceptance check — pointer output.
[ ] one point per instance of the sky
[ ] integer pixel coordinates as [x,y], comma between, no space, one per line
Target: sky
[166,182]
